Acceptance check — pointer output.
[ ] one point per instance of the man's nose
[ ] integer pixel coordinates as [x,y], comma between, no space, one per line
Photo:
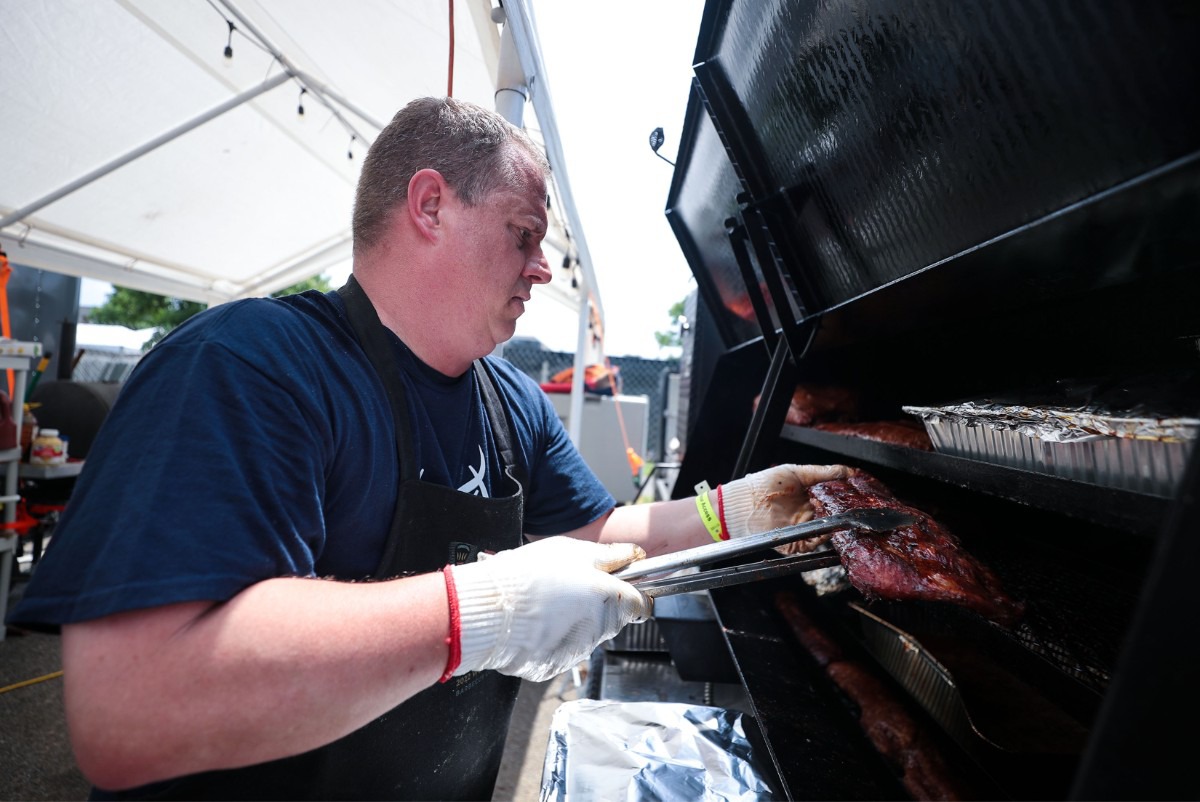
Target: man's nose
[537,269]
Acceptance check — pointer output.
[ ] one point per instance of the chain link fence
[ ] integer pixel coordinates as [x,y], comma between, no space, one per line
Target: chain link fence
[637,376]
[104,366]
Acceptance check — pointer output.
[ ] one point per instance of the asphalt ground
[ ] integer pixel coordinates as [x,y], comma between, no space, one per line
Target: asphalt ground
[35,756]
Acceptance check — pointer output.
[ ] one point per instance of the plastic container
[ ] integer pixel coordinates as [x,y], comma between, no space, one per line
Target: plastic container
[29,424]
[48,448]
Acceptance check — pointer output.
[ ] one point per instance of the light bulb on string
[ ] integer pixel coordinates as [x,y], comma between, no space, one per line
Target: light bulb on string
[300,103]
[656,141]
[349,152]
[229,42]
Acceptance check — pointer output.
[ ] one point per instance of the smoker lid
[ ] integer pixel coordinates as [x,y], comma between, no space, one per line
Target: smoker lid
[877,139]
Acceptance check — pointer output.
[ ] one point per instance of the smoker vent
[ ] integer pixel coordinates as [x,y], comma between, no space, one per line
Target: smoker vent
[642,637]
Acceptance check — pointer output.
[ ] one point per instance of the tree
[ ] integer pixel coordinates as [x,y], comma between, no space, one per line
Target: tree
[144,310]
[673,338]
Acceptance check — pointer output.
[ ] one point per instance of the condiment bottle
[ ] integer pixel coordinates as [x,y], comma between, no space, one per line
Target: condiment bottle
[47,449]
[28,427]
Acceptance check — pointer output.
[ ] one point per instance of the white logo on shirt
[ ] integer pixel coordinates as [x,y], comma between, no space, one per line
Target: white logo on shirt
[477,486]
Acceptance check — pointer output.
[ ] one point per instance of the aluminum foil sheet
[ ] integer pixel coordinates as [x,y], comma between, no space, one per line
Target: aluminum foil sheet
[649,751]
[1062,425]
[1130,450]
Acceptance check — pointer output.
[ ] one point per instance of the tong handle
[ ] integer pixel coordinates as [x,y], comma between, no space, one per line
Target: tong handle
[873,519]
[737,574]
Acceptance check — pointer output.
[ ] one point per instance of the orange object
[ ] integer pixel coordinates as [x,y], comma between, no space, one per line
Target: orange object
[450,67]
[23,522]
[5,324]
[596,379]
[635,462]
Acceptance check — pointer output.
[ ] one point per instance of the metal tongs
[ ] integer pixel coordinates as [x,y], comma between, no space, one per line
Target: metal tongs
[870,519]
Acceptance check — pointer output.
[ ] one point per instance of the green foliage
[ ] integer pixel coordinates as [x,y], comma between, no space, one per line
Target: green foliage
[318,283]
[672,338]
[142,310]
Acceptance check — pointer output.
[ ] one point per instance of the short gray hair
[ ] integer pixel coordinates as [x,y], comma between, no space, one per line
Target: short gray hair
[473,148]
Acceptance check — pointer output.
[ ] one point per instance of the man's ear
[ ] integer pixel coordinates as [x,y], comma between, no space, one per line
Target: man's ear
[426,194]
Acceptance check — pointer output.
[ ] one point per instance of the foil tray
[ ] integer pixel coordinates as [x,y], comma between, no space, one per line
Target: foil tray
[1141,454]
[973,697]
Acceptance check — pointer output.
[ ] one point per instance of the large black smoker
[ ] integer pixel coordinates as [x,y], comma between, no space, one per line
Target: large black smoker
[928,202]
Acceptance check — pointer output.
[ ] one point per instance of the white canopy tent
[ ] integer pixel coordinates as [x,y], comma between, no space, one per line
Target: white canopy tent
[138,153]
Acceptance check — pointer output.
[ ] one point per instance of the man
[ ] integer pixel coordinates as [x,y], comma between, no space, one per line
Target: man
[219,637]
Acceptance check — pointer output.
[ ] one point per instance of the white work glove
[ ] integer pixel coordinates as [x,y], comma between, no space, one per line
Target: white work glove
[772,498]
[538,610]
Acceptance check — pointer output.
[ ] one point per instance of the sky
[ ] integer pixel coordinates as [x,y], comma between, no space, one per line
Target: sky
[616,71]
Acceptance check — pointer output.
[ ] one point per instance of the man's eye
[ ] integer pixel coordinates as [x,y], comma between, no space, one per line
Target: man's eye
[523,235]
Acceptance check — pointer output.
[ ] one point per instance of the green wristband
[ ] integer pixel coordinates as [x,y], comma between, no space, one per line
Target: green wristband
[712,521]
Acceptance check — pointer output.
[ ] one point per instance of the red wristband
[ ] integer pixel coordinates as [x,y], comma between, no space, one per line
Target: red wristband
[454,639]
[721,513]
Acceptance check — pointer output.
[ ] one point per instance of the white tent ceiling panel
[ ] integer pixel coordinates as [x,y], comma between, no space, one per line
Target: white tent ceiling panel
[78,92]
[246,202]
[403,45]
[262,198]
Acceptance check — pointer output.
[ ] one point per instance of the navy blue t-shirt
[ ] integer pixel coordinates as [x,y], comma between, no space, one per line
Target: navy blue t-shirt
[255,441]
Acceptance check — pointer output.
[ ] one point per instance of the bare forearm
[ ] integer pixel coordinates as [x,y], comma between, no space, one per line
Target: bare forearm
[286,666]
[758,502]
[662,527]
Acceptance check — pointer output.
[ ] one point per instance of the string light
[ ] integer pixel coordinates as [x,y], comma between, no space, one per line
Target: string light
[656,141]
[303,89]
[232,28]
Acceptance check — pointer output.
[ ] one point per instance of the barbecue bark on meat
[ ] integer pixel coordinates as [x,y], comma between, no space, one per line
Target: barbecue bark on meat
[909,434]
[905,740]
[923,561]
[898,735]
[814,402]
[818,402]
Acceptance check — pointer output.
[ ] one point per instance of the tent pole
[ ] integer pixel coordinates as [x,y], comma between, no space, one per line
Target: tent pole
[511,91]
[518,15]
[524,37]
[141,150]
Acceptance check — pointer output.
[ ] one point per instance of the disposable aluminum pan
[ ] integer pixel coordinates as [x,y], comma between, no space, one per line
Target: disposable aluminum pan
[1138,453]
[972,696]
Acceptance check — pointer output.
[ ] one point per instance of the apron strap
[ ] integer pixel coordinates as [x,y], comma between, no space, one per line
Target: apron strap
[498,417]
[372,336]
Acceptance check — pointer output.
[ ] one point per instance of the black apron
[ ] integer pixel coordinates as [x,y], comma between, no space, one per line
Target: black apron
[445,742]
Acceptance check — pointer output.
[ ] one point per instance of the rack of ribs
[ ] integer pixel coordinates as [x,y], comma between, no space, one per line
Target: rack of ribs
[817,402]
[906,740]
[909,434]
[923,561]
